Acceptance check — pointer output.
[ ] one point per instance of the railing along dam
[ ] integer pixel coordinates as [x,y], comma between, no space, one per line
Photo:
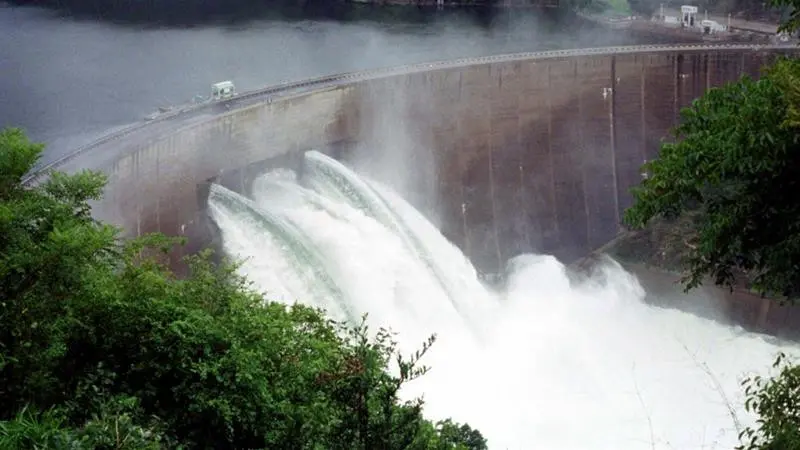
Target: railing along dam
[514,153]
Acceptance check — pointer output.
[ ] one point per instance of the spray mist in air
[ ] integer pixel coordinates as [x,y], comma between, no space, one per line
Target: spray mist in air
[547,362]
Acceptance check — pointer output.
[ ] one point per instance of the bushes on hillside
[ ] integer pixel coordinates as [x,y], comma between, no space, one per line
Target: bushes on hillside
[101,346]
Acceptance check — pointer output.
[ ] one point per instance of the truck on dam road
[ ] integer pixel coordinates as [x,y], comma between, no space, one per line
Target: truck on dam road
[221,92]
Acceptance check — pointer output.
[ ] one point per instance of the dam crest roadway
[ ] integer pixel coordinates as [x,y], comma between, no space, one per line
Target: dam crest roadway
[275,92]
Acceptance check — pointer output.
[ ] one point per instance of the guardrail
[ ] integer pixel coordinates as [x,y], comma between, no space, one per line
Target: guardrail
[338,79]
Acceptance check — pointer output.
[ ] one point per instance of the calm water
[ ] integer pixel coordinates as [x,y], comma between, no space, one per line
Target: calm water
[69,76]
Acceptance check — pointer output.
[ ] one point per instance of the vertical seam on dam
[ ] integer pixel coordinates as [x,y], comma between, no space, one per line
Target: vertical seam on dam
[523,193]
[586,155]
[677,95]
[551,168]
[494,206]
[612,119]
[463,198]
[643,109]
[491,181]
[158,197]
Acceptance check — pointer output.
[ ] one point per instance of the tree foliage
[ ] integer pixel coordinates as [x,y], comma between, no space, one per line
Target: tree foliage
[101,346]
[791,20]
[776,401]
[734,169]
[645,8]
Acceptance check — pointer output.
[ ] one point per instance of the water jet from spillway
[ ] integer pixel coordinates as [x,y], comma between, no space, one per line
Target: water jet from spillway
[545,362]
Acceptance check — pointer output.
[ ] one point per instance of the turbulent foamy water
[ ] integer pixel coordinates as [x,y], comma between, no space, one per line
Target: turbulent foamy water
[545,364]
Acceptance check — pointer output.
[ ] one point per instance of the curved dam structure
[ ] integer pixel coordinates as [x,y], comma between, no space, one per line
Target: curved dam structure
[508,154]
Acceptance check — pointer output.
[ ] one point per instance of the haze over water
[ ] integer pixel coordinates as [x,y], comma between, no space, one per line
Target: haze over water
[70,76]
[543,363]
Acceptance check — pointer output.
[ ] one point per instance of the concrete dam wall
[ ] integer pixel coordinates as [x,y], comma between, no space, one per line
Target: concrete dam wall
[511,154]
[508,154]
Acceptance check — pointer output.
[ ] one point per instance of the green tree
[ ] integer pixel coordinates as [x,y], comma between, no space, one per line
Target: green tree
[791,16]
[645,8]
[459,436]
[776,401]
[733,172]
[48,245]
[102,346]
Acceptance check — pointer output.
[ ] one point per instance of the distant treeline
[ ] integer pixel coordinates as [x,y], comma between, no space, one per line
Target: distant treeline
[193,12]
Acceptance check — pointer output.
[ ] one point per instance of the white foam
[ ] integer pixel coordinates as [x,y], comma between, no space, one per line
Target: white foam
[554,364]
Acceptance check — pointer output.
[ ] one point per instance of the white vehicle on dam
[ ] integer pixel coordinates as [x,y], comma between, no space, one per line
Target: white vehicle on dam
[221,91]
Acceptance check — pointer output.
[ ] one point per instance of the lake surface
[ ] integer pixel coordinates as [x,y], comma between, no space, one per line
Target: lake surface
[69,76]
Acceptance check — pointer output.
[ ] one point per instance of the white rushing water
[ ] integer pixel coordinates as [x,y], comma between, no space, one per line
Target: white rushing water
[547,363]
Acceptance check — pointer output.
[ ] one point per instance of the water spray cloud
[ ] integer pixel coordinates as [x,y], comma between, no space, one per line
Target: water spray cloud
[546,362]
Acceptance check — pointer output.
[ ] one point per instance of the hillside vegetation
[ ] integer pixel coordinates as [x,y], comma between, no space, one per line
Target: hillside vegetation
[102,347]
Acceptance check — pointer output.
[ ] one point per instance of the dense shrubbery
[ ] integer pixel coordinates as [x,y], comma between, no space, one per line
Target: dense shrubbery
[733,176]
[776,401]
[102,347]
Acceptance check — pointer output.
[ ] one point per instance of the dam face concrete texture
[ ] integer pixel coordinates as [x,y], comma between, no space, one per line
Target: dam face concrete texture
[509,156]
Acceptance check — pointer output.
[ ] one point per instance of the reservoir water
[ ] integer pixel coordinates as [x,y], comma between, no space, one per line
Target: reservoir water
[68,76]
